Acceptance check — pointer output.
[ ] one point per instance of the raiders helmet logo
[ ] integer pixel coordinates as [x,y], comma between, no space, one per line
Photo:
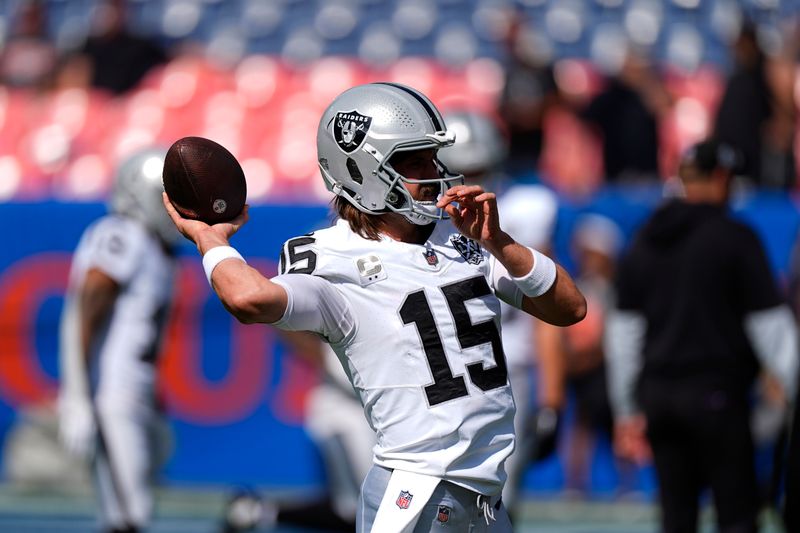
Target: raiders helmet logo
[350,129]
[469,249]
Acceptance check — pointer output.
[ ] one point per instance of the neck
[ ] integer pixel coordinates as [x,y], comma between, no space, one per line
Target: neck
[400,229]
[705,192]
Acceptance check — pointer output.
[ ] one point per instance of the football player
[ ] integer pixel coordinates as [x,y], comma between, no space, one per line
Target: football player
[533,352]
[120,289]
[410,303]
[334,420]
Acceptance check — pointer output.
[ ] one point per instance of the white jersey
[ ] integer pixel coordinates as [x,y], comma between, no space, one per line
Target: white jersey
[124,354]
[417,330]
[528,212]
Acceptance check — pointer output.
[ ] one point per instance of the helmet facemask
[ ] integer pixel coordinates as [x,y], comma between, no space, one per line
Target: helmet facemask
[399,199]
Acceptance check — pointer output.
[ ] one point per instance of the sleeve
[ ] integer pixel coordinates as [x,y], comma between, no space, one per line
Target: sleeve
[623,345]
[503,284]
[316,305]
[773,334]
[754,281]
[117,249]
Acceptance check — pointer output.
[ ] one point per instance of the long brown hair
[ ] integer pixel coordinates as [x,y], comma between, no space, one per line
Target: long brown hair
[366,225]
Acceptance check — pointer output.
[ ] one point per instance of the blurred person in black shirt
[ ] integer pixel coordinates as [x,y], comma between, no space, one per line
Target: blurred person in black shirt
[112,58]
[529,89]
[698,313]
[625,115]
[757,114]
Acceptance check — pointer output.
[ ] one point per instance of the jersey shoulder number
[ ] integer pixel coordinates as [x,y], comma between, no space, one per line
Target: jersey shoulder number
[298,256]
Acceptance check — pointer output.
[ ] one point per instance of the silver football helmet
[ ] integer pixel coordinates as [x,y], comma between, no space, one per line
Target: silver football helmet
[480,146]
[359,133]
[137,192]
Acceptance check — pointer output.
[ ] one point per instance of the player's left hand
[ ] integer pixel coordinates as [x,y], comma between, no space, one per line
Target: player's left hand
[473,212]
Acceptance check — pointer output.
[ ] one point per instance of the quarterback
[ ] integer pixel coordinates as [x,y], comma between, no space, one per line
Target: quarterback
[410,304]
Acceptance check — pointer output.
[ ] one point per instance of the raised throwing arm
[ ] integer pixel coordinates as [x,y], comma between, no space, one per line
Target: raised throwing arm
[244,292]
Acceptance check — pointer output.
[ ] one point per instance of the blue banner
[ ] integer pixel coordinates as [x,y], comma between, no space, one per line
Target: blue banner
[233,394]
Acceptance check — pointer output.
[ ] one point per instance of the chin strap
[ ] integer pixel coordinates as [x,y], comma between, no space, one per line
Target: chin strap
[425,214]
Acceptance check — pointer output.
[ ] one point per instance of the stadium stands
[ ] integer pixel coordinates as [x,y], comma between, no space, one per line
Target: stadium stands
[265,69]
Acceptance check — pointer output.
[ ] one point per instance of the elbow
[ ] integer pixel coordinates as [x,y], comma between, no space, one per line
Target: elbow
[579,313]
[242,308]
[575,312]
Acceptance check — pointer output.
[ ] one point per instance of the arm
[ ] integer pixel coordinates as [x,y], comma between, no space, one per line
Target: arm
[773,335]
[550,357]
[473,211]
[80,327]
[97,298]
[623,347]
[244,292]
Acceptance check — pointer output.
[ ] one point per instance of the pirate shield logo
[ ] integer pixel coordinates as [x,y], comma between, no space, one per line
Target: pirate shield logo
[350,129]
[469,249]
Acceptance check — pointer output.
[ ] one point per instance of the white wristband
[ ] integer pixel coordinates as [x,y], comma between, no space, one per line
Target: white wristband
[541,277]
[216,255]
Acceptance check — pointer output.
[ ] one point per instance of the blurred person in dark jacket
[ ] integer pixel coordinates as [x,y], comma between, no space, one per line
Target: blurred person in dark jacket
[112,58]
[529,89]
[698,315]
[625,115]
[757,114]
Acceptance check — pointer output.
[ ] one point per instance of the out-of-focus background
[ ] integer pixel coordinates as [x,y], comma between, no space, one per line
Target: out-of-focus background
[599,99]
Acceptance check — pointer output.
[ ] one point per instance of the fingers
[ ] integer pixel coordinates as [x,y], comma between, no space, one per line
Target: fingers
[242,218]
[171,211]
[460,193]
[454,214]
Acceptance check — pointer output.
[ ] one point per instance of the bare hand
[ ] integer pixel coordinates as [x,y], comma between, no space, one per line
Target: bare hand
[630,441]
[473,212]
[203,235]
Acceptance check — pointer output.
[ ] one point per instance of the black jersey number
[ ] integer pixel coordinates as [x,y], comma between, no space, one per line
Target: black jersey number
[416,310]
[296,264]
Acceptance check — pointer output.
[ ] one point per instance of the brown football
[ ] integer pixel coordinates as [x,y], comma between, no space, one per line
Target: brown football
[203,180]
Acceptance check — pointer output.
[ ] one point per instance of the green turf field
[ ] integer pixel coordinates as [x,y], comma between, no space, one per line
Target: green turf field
[198,511]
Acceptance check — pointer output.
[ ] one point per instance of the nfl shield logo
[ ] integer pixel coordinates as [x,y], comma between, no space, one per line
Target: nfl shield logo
[404,500]
[444,514]
[350,129]
[431,258]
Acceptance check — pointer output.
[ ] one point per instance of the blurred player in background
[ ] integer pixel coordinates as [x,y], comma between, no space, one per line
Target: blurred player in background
[698,312]
[409,303]
[120,290]
[528,211]
[334,419]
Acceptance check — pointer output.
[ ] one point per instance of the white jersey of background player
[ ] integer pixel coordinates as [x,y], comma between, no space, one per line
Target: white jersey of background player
[409,303]
[120,288]
[528,212]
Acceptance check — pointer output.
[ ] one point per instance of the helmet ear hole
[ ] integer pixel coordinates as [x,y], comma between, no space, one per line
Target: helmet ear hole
[355,173]
[395,199]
